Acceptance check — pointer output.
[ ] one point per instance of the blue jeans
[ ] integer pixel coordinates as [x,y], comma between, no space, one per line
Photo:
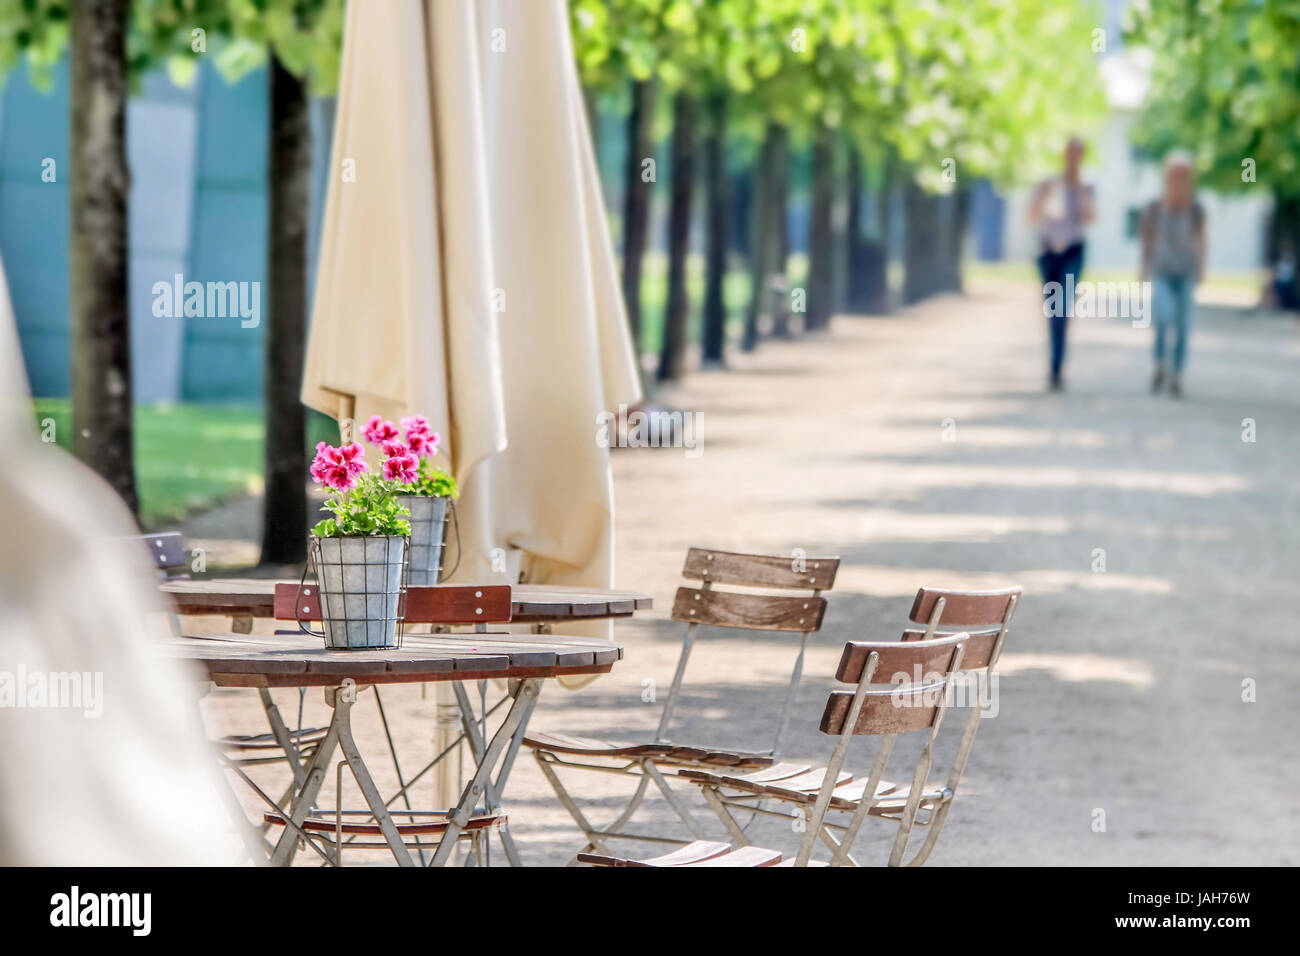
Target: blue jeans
[1171,313]
[1057,267]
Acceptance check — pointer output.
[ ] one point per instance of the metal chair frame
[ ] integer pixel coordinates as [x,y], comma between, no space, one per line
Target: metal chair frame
[647,767]
[820,826]
[929,691]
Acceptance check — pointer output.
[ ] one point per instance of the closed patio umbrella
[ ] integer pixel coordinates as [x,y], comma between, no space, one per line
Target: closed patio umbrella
[466,273]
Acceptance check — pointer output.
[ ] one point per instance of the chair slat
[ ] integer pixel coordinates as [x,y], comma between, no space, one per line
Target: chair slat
[906,663]
[963,608]
[760,570]
[760,612]
[699,853]
[884,712]
[979,646]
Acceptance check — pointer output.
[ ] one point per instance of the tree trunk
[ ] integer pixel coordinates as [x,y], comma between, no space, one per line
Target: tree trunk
[636,202]
[778,291]
[920,241]
[284,506]
[854,240]
[867,255]
[1283,228]
[878,300]
[102,434]
[672,356]
[760,235]
[821,245]
[715,306]
[955,239]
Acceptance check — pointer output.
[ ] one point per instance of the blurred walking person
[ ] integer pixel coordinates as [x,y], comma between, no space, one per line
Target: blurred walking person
[1173,259]
[1062,208]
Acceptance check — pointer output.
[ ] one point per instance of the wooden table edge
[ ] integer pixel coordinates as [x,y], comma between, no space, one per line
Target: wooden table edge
[230,679]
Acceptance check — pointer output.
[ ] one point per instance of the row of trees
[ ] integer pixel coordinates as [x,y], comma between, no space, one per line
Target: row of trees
[1225,83]
[110,44]
[919,95]
[925,96]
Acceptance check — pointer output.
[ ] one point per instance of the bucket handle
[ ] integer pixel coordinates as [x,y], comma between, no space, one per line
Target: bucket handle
[455,523]
[297,604]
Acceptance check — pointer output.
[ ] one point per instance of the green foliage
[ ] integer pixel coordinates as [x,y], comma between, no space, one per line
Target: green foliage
[370,508]
[306,36]
[1225,84]
[432,482]
[994,86]
[36,30]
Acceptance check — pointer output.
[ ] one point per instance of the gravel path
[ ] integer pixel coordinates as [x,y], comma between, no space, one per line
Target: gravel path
[1156,547]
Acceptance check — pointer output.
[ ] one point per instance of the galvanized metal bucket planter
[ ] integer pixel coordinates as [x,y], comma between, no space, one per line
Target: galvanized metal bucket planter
[428,522]
[362,588]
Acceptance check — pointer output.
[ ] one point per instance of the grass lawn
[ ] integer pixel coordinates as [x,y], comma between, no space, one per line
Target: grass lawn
[189,456]
[735,293]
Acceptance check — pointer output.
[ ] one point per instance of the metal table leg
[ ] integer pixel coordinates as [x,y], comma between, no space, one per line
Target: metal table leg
[482,784]
[344,697]
[493,788]
[304,798]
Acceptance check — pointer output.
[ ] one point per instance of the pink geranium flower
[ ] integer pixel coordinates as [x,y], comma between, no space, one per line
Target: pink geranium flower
[379,430]
[423,444]
[415,423]
[402,469]
[422,441]
[338,468]
[353,458]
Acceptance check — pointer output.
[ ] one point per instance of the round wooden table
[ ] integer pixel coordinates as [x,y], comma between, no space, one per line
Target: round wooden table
[291,660]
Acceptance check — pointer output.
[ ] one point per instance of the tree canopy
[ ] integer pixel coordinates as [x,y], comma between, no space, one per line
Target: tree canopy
[1225,85]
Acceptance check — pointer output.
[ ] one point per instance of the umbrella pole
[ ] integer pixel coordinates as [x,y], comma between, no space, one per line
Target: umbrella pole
[446,727]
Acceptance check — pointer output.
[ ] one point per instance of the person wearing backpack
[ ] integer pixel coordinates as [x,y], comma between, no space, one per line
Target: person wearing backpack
[1173,259]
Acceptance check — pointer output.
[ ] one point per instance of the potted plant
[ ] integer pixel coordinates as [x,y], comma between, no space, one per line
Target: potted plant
[360,553]
[425,496]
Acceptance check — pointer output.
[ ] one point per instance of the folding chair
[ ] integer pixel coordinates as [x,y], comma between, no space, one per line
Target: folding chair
[919,672]
[738,610]
[985,617]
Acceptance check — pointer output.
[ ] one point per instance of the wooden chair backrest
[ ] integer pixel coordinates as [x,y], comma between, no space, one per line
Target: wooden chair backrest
[918,671]
[985,616]
[762,612]
[801,614]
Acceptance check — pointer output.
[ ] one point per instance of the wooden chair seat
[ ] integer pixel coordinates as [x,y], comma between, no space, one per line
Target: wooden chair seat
[699,853]
[799,785]
[324,822]
[673,754]
[931,796]
[267,741]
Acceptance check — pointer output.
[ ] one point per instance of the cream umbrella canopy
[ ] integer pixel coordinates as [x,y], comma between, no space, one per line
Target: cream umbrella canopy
[466,273]
[402,319]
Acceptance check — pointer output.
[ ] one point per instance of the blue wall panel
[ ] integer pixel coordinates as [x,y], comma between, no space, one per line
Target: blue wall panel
[198,208]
